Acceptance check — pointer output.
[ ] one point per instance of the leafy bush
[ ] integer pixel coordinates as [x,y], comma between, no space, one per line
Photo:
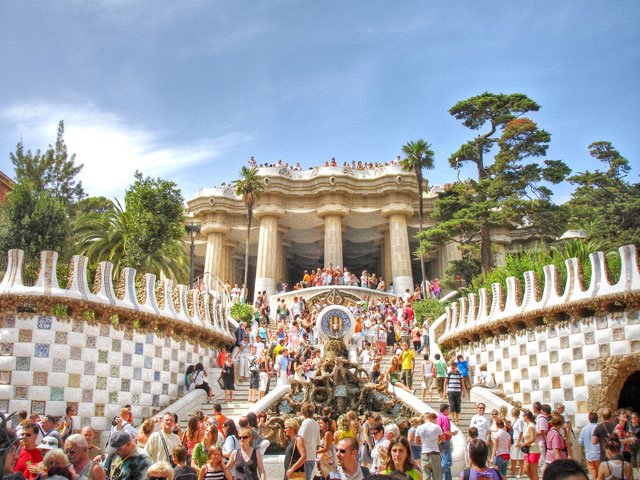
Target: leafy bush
[427,308]
[242,312]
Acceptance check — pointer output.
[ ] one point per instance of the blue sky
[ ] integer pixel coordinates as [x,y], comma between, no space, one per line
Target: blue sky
[189,90]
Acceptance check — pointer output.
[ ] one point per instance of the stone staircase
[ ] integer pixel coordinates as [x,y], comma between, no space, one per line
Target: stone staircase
[467,411]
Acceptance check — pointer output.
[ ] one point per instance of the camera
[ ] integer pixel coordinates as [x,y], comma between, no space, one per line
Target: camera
[114,422]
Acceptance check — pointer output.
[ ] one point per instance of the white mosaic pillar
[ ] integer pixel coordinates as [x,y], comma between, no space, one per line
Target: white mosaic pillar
[399,246]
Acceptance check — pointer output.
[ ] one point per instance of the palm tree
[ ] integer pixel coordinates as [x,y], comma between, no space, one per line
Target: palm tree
[250,187]
[418,157]
[109,235]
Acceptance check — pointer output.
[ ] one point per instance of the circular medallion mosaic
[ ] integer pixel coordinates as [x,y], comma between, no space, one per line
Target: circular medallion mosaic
[335,323]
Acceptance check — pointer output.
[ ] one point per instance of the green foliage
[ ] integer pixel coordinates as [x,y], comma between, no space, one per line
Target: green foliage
[508,192]
[242,312]
[60,310]
[604,203]
[428,308]
[53,171]
[147,235]
[519,263]
[461,272]
[33,221]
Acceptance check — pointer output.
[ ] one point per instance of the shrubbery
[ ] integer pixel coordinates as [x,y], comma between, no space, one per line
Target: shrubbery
[242,312]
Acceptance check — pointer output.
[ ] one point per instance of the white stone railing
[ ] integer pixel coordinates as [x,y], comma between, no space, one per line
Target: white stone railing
[476,316]
[160,306]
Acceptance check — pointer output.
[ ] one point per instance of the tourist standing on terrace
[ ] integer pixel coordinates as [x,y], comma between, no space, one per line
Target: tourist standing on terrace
[228,377]
[531,447]
[161,443]
[408,363]
[455,390]
[77,450]
[431,436]
[29,453]
[125,461]
[445,447]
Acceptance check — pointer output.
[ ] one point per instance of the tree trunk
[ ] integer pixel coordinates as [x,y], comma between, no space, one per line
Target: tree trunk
[486,257]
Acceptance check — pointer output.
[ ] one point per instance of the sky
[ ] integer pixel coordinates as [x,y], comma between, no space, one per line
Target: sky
[189,90]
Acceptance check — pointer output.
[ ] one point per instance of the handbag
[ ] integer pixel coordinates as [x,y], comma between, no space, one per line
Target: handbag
[296,475]
[525,449]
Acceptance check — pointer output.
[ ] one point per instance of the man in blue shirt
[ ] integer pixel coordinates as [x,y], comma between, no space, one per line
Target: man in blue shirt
[591,451]
[463,368]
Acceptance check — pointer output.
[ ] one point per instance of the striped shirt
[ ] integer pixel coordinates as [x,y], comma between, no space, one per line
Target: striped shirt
[455,383]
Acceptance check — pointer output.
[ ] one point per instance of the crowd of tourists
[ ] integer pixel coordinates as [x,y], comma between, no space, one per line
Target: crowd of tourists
[327,445]
[353,165]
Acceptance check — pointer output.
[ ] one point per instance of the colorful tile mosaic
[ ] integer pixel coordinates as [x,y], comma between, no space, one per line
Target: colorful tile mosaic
[126,359]
[44,323]
[116,345]
[77,326]
[98,410]
[25,335]
[158,352]
[75,353]
[74,380]
[89,368]
[105,330]
[137,373]
[62,338]
[126,385]
[101,383]
[37,406]
[59,365]
[139,348]
[40,379]
[9,322]
[114,371]
[156,376]
[57,394]
[149,338]
[23,364]
[128,335]
[148,362]
[113,397]
[87,395]
[92,341]
[155,400]
[103,356]
[6,349]
[5,377]
[21,393]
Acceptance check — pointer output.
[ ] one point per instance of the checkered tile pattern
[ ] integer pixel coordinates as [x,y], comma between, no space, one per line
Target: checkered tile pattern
[558,362]
[46,364]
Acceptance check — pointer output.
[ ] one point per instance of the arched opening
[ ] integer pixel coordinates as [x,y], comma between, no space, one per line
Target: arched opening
[630,394]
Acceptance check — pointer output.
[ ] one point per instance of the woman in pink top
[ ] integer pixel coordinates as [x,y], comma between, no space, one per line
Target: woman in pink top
[556,446]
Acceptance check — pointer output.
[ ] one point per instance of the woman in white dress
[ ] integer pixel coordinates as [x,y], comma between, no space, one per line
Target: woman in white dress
[517,455]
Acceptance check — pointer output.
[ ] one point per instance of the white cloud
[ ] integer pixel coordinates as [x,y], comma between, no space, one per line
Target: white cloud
[111,148]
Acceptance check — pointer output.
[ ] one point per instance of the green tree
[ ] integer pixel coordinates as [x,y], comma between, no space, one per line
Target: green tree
[605,204]
[53,171]
[507,192]
[419,156]
[249,187]
[33,221]
[146,235]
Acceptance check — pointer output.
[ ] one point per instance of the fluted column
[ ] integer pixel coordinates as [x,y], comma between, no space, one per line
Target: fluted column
[399,246]
[267,259]
[332,215]
[214,256]
[228,261]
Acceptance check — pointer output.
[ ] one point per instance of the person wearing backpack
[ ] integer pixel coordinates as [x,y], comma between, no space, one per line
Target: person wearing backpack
[478,454]
[614,467]
[603,431]
[556,447]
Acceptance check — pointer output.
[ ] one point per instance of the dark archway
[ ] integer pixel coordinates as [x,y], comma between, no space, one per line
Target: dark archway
[630,394]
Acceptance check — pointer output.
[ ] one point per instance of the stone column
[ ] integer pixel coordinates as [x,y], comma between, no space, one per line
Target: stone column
[399,246]
[228,261]
[386,257]
[332,215]
[267,259]
[214,256]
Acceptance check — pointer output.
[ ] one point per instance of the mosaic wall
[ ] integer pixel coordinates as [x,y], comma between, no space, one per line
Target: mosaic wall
[559,362]
[47,364]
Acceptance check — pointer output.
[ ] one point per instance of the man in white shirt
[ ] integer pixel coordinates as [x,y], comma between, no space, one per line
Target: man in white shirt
[481,423]
[430,435]
[377,431]
[310,433]
[160,444]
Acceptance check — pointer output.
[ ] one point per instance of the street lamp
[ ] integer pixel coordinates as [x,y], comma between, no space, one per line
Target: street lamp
[192,230]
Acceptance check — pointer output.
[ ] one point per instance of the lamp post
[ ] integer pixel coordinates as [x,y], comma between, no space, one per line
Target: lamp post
[192,230]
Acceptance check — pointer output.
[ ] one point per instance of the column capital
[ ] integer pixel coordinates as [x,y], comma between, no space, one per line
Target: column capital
[332,209]
[262,211]
[213,227]
[396,208]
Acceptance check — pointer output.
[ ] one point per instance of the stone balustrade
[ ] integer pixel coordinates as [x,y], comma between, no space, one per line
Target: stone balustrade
[478,316]
[140,302]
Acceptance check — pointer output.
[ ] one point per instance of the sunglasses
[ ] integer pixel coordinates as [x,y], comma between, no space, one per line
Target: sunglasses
[244,437]
[343,450]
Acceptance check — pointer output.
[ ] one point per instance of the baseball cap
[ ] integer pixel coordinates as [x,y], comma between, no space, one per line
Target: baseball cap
[117,441]
[49,443]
